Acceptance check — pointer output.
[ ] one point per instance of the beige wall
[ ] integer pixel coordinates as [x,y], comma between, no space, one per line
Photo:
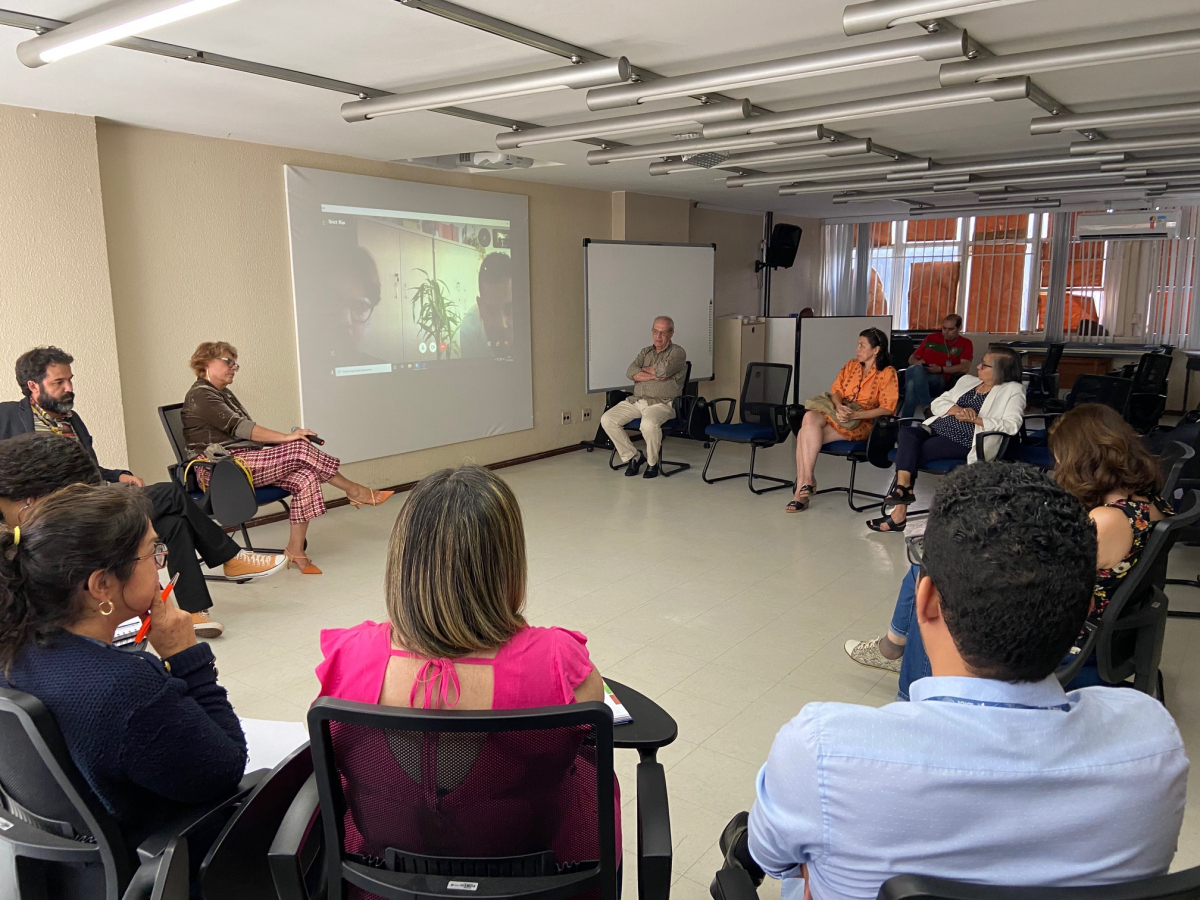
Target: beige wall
[645,217]
[55,286]
[738,237]
[800,286]
[198,249]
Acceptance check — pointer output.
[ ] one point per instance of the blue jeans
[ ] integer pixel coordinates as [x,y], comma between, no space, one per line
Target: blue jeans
[915,664]
[920,386]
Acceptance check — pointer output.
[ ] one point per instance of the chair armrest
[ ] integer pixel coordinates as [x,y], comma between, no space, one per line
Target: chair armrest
[197,818]
[653,833]
[166,877]
[33,843]
[284,857]
[733,884]
[1053,405]
[1066,673]
[1005,439]
[716,413]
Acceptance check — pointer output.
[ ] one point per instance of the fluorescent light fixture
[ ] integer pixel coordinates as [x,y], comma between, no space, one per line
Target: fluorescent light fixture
[837,187]
[999,184]
[982,209]
[767,157]
[877,15]
[1154,163]
[1151,46]
[589,74]
[1014,89]
[1133,145]
[944,45]
[867,197]
[112,23]
[1174,179]
[641,122]
[1115,118]
[832,173]
[699,145]
[1099,191]
[982,166]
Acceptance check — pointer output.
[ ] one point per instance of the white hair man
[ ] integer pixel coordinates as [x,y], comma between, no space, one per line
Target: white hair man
[657,374]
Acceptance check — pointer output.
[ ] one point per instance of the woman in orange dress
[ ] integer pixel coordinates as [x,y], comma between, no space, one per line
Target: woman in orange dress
[870,383]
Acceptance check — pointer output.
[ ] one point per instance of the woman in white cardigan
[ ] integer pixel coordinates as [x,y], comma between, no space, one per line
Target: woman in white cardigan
[995,401]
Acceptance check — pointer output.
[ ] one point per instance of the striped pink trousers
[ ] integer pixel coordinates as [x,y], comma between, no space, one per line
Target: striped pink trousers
[297,466]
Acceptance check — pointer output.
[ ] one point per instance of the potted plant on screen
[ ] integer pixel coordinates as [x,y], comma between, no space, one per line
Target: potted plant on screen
[436,314]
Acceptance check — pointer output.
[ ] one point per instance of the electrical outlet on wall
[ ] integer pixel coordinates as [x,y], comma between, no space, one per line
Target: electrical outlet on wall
[587,414]
[566,418]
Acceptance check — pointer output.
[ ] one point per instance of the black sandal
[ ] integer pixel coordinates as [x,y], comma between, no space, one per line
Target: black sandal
[877,525]
[901,496]
[806,492]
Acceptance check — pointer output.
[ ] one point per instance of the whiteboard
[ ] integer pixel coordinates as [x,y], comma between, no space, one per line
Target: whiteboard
[626,285]
[826,344]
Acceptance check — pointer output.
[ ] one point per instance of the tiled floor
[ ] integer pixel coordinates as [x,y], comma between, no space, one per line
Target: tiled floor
[709,599]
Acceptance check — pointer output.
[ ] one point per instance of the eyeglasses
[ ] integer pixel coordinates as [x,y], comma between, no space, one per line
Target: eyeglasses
[159,555]
[985,365]
[915,544]
[232,363]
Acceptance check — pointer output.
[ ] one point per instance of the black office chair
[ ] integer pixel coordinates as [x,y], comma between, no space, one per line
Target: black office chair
[674,427]
[735,881]
[880,442]
[1148,396]
[1129,639]
[1043,379]
[435,803]
[1106,389]
[60,841]
[1193,365]
[763,420]
[230,499]
[236,866]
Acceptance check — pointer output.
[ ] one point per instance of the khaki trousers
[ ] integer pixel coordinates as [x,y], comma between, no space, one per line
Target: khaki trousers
[652,415]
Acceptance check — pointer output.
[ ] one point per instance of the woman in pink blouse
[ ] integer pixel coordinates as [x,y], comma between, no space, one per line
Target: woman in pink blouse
[455,636]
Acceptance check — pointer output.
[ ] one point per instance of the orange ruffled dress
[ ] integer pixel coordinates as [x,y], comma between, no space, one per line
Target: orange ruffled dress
[870,389]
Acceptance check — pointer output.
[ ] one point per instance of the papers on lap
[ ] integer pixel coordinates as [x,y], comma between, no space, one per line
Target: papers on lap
[620,713]
[269,743]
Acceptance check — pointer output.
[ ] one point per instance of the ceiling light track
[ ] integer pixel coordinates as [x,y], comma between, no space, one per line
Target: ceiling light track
[879,15]
[983,166]
[982,209]
[1137,144]
[641,122]
[832,173]
[699,145]
[1116,118]
[1152,46]
[928,47]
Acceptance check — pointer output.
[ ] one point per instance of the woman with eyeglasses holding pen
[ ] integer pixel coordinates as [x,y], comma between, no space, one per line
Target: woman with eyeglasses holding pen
[150,734]
[212,414]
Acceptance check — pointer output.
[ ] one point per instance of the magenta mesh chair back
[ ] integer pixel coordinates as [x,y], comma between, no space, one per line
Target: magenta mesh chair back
[486,804]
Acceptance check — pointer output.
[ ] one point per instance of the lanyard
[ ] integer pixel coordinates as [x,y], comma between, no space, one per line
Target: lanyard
[1063,707]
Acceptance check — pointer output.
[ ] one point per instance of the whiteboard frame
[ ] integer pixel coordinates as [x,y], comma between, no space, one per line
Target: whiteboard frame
[588,389]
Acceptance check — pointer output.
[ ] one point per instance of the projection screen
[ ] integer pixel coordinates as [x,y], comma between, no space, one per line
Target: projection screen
[627,284]
[412,312]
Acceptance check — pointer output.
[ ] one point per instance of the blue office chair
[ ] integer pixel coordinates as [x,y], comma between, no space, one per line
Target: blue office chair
[763,420]
[229,500]
[877,449]
[674,427]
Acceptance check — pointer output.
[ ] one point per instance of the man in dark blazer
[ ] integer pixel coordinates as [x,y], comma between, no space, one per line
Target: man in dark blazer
[47,381]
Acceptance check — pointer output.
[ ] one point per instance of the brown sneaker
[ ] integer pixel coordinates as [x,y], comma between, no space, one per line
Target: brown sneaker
[254,565]
[866,653]
[205,627]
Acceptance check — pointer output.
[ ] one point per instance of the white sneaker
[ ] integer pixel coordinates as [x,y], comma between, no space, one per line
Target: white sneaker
[248,564]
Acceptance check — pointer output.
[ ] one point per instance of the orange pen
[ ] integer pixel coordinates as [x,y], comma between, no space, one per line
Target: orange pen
[145,629]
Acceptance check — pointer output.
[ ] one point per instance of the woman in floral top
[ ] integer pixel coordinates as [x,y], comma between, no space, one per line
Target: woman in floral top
[1101,460]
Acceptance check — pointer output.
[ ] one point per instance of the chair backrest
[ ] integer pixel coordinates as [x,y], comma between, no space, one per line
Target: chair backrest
[230,494]
[1183,885]
[765,394]
[411,795]
[1151,374]
[40,786]
[1053,355]
[1171,463]
[1107,389]
[171,417]
[902,347]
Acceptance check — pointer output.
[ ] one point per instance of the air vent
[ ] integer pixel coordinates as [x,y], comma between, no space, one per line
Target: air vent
[705,160]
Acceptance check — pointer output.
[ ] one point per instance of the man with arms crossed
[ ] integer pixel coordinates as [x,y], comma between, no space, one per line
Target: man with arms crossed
[939,356]
[47,382]
[991,774]
[657,375]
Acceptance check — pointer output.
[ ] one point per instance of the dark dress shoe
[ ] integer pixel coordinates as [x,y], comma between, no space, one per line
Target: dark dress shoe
[635,465]
[651,471]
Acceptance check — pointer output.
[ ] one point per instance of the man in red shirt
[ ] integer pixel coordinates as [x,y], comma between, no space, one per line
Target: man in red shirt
[939,357]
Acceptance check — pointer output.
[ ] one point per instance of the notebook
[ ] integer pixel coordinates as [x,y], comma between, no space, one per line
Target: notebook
[620,713]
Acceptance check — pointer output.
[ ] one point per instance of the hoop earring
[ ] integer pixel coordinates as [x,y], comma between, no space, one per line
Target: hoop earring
[106,612]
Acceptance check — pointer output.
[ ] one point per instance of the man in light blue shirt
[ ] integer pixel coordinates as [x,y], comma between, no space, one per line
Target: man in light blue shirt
[992,774]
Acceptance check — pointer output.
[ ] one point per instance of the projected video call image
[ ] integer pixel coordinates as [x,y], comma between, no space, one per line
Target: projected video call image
[411,292]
